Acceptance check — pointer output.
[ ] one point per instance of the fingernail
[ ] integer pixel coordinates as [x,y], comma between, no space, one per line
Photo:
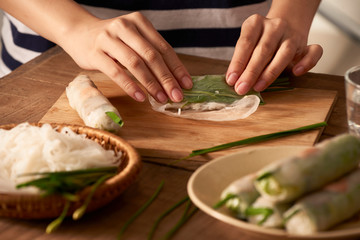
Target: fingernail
[260,85]
[243,88]
[299,70]
[186,82]
[232,78]
[139,96]
[176,95]
[161,97]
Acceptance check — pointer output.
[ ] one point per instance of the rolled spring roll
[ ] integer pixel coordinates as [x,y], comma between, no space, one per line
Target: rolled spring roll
[91,104]
[266,213]
[239,195]
[324,209]
[286,180]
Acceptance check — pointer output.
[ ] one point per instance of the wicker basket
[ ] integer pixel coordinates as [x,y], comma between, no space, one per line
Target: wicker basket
[34,206]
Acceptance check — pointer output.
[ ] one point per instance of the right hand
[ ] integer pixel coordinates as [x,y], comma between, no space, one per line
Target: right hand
[132,41]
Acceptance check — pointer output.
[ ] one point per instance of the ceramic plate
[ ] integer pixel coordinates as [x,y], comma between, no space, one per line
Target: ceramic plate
[207,182]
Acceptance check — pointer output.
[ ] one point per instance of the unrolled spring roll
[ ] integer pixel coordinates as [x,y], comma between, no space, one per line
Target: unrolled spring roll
[91,104]
[266,213]
[239,195]
[285,181]
[211,98]
[322,210]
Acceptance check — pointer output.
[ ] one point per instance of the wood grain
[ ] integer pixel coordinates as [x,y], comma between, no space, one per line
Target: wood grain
[163,138]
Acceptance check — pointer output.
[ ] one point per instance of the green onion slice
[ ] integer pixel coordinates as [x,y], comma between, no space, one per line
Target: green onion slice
[115,118]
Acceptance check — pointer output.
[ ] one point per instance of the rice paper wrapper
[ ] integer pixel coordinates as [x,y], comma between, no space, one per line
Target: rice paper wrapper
[275,219]
[325,208]
[239,109]
[211,98]
[244,194]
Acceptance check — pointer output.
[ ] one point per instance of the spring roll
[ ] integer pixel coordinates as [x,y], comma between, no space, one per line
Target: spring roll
[91,105]
[266,213]
[212,99]
[239,195]
[286,180]
[324,209]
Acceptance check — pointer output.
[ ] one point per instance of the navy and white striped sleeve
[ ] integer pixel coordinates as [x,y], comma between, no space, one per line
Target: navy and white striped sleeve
[202,28]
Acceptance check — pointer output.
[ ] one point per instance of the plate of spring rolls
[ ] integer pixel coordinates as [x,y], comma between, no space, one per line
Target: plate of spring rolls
[292,192]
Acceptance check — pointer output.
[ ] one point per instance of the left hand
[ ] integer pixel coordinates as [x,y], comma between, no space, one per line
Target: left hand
[265,48]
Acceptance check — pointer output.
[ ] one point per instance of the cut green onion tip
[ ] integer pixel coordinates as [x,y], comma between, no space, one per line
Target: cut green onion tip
[115,118]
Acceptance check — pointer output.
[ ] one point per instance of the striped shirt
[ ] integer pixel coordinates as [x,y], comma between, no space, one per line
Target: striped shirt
[208,28]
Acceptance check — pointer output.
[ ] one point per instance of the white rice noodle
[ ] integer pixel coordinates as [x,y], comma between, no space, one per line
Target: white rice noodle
[211,111]
[31,149]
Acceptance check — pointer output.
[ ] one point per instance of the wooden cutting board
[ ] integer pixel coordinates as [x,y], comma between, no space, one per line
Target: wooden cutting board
[161,138]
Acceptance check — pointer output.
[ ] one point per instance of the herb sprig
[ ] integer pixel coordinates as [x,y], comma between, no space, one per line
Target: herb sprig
[255,139]
[67,184]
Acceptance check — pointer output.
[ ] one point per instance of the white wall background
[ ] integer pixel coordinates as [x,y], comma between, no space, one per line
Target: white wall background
[336,28]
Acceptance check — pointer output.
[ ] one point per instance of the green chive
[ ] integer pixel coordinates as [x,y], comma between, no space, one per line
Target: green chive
[256,139]
[78,213]
[265,212]
[164,214]
[115,118]
[291,215]
[186,216]
[142,209]
[57,222]
[263,176]
[224,201]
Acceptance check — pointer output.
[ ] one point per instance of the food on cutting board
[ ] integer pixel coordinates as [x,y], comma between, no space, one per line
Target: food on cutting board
[92,106]
[211,98]
[310,192]
[27,149]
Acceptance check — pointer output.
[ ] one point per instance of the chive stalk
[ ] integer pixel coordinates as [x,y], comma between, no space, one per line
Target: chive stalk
[57,222]
[180,223]
[256,139]
[141,210]
[164,214]
[265,212]
[224,201]
[78,213]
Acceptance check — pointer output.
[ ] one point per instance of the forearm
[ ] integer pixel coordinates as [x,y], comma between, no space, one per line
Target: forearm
[298,13]
[52,19]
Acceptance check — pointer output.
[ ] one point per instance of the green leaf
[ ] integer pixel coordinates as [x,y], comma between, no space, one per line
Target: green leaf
[115,118]
[212,88]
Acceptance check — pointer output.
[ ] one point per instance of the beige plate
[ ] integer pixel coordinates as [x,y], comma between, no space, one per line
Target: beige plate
[207,183]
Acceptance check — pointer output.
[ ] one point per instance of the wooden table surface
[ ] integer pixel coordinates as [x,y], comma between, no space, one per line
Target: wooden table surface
[27,94]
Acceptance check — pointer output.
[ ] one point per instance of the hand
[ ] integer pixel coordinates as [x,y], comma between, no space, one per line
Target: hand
[265,48]
[132,41]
